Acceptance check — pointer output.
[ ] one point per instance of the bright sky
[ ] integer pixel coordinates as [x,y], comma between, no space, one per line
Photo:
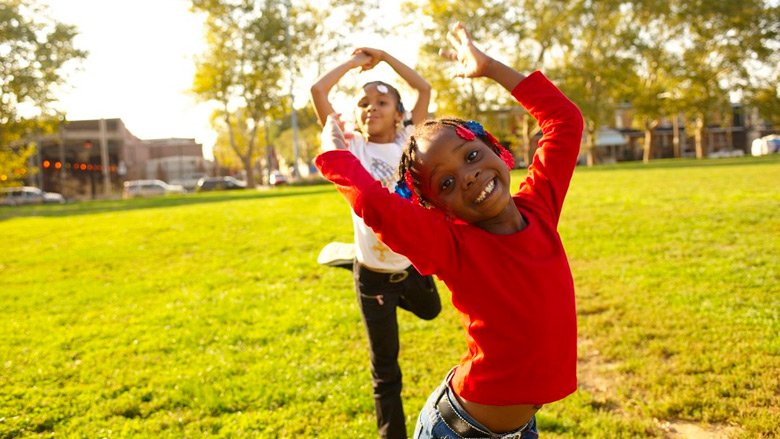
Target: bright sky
[141,64]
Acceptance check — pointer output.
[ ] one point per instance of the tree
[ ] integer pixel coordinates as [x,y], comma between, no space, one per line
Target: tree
[240,132]
[766,98]
[36,52]
[308,135]
[246,62]
[595,64]
[242,68]
[654,80]
[722,45]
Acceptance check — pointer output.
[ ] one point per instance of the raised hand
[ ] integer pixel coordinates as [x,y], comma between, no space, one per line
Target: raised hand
[472,62]
[375,56]
[362,60]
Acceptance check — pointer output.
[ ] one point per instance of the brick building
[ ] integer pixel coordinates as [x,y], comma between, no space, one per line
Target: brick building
[92,158]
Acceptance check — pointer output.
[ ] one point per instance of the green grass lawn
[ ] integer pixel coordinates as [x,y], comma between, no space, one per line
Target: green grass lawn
[207,315]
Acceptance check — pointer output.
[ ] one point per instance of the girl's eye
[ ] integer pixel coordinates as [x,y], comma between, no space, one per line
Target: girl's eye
[362,104]
[472,155]
[446,183]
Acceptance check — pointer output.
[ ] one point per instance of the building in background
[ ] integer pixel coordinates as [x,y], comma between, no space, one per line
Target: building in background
[92,158]
[727,132]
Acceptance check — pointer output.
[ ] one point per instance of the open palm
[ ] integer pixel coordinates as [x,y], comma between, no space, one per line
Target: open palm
[472,62]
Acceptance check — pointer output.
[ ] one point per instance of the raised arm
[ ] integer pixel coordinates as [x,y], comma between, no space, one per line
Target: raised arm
[561,121]
[323,85]
[420,85]
[424,236]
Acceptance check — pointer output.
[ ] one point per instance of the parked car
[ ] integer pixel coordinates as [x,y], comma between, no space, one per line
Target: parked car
[723,153]
[189,183]
[16,196]
[277,178]
[149,188]
[766,145]
[218,184]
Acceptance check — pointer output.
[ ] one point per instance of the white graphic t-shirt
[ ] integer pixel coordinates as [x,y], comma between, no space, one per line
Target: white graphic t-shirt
[381,161]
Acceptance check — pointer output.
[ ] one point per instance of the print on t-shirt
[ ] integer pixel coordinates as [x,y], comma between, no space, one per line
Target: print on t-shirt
[380,250]
[382,172]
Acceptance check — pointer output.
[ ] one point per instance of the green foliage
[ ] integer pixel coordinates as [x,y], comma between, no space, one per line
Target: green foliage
[223,150]
[244,63]
[35,51]
[245,68]
[605,52]
[13,165]
[206,314]
[308,135]
[460,98]
[766,98]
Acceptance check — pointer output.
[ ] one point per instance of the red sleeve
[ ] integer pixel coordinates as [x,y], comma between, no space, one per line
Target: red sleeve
[422,235]
[561,122]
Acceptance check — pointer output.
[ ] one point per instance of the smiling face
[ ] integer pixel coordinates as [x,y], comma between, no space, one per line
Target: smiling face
[377,113]
[464,178]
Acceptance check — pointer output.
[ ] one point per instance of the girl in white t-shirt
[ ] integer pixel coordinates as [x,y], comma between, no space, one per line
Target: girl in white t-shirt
[384,280]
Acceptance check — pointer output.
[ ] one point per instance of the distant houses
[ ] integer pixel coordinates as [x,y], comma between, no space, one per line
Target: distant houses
[620,141]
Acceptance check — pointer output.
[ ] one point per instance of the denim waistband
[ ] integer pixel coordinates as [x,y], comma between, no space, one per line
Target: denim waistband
[445,391]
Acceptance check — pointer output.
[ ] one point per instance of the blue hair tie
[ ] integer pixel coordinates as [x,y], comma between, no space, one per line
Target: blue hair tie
[403,191]
[475,127]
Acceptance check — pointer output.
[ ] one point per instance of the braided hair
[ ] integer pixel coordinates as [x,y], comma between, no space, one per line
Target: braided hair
[425,130]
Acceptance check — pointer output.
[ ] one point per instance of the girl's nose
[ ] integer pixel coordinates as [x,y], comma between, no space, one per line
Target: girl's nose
[470,178]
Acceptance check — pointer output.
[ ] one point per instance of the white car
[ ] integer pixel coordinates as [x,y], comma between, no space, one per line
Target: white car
[277,179]
[16,196]
[766,145]
[149,188]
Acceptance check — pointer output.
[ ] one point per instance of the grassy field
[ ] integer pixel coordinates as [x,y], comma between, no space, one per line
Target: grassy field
[207,315]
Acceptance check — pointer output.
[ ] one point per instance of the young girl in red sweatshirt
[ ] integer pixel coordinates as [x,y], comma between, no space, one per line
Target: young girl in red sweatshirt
[499,254]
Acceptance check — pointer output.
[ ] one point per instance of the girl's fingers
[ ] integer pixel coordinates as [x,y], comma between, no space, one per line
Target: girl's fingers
[462,32]
[453,40]
[448,54]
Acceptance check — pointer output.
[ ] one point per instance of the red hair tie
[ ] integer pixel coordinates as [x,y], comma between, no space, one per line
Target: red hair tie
[506,157]
[410,185]
[465,133]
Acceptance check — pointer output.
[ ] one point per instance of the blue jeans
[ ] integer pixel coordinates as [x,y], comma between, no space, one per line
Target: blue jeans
[430,424]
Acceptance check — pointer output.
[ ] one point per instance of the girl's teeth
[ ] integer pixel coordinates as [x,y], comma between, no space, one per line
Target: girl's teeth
[488,189]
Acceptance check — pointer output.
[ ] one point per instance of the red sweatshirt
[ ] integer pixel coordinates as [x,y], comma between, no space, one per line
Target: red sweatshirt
[514,293]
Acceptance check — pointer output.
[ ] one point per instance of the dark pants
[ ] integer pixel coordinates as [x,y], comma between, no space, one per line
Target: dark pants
[379,294]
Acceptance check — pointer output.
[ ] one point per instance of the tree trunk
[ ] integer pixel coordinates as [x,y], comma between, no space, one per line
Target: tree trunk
[590,141]
[699,135]
[267,150]
[250,152]
[676,135]
[249,169]
[648,146]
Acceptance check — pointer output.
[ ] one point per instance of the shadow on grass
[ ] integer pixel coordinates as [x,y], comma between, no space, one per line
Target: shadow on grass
[101,206]
[685,163]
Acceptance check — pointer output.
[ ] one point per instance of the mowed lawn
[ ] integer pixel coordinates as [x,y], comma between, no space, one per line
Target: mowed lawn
[207,315]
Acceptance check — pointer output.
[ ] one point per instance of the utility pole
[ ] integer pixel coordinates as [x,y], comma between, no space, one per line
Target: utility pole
[104,159]
[38,155]
[63,169]
[293,117]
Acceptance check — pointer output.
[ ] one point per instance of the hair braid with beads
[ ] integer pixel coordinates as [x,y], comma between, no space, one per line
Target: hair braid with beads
[426,129]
